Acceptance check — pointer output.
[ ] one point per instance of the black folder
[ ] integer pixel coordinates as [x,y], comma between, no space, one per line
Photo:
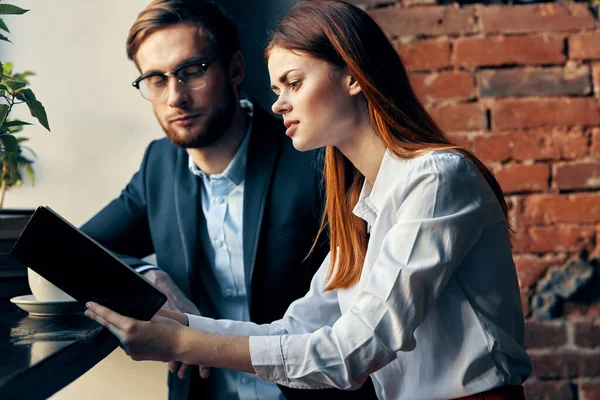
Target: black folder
[83,268]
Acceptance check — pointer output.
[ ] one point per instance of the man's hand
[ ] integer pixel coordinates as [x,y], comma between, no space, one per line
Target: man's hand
[176,301]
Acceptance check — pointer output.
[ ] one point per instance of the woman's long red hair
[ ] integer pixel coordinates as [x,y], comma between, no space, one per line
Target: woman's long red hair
[347,38]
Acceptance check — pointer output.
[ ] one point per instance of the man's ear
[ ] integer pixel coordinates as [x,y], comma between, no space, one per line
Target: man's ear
[237,68]
[353,86]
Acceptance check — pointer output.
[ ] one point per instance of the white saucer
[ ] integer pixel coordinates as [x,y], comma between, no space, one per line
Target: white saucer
[47,308]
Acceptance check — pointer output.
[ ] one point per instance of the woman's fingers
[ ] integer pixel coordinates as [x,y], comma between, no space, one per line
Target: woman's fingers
[182,370]
[110,316]
[204,372]
[174,366]
[114,330]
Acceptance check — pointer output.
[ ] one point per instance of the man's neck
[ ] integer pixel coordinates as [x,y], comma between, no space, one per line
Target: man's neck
[214,159]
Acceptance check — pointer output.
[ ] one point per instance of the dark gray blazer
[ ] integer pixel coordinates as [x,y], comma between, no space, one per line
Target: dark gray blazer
[160,212]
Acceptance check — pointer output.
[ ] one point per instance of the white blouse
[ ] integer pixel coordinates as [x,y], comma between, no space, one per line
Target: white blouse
[436,313]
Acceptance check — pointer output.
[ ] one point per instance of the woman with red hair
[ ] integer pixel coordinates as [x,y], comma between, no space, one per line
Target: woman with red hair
[420,290]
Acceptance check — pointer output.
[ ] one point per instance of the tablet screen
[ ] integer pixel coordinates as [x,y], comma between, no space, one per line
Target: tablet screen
[83,268]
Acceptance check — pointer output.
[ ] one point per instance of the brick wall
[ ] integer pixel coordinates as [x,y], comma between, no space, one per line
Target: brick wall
[519,85]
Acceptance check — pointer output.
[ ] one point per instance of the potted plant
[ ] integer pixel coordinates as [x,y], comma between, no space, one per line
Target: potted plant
[14,90]
[15,159]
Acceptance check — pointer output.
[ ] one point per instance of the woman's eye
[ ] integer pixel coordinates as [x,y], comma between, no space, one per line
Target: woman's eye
[294,84]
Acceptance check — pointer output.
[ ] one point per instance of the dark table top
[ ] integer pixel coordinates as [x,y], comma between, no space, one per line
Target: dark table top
[41,355]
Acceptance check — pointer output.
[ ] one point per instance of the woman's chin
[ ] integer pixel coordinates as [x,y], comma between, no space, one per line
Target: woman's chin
[301,145]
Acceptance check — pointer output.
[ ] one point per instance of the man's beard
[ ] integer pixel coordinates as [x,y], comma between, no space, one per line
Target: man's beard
[215,125]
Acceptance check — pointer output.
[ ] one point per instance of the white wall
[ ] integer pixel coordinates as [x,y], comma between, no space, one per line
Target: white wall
[100,128]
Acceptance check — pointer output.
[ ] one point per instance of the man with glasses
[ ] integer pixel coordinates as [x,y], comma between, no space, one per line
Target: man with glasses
[226,204]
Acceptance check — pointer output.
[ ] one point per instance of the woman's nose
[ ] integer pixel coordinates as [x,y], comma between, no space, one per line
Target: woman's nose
[281,106]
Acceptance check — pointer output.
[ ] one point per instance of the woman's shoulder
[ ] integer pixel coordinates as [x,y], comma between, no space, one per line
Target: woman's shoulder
[437,162]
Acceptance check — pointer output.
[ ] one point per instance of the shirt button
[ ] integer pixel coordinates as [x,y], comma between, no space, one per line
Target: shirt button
[218,243]
[245,380]
[218,200]
[228,292]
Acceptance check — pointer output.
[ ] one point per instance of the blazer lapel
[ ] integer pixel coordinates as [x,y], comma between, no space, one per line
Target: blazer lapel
[263,152]
[189,220]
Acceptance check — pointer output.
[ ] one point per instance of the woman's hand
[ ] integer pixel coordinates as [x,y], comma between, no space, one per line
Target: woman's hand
[157,339]
[175,366]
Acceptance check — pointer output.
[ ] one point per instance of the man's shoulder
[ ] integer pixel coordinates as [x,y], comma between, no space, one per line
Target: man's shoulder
[161,149]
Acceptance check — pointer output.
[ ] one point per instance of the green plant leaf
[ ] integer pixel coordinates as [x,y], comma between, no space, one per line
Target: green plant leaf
[9,143]
[6,9]
[35,107]
[7,68]
[16,85]
[30,173]
[3,26]
[24,75]
[22,139]
[3,112]
[16,122]
[30,150]
[4,38]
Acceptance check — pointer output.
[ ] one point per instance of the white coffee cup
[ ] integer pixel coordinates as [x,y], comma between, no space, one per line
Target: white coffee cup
[43,290]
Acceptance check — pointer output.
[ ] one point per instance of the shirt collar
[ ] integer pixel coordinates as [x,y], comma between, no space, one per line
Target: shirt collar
[236,169]
[372,197]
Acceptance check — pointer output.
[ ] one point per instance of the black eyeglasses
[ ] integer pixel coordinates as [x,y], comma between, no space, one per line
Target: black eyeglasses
[191,75]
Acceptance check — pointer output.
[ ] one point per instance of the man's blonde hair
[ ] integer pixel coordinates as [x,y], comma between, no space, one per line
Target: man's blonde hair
[213,21]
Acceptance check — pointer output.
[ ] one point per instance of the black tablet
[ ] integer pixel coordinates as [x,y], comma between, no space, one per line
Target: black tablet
[81,267]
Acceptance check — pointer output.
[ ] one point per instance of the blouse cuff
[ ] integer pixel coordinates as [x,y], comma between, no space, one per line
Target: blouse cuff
[266,355]
[208,325]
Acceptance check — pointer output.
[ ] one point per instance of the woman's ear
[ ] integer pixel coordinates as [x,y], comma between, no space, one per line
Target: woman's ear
[353,86]
[237,68]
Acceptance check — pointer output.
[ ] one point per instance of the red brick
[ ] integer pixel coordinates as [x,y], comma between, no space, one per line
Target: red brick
[590,366]
[522,178]
[461,139]
[525,113]
[587,333]
[494,147]
[579,310]
[553,143]
[595,149]
[525,297]
[553,209]
[500,50]
[555,238]
[530,268]
[536,82]
[590,391]
[444,85]
[565,365]
[584,46]
[543,334]
[424,55]
[577,175]
[536,18]
[596,78]
[553,390]
[430,21]
[550,143]
[460,117]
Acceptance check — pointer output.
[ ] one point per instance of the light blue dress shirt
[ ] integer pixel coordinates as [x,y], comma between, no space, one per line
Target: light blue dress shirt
[436,313]
[227,287]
